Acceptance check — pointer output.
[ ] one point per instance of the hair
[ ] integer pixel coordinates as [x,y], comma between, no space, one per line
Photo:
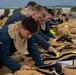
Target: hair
[45,8]
[31,4]
[64,15]
[50,11]
[29,24]
[59,12]
[38,8]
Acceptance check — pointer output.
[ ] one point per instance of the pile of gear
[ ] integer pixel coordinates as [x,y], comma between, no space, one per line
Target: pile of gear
[66,46]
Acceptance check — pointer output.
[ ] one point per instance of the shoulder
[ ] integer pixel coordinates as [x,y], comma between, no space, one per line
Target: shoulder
[4,33]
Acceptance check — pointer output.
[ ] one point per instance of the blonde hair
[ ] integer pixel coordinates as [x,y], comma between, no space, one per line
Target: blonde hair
[38,8]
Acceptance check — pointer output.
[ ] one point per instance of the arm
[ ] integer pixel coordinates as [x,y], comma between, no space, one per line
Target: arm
[44,36]
[5,51]
[47,31]
[17,16]
[34,53]
[41,41]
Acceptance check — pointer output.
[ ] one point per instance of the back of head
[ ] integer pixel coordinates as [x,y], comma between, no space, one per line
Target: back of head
[45,8]
[50,11]
[29,24]
[32,4]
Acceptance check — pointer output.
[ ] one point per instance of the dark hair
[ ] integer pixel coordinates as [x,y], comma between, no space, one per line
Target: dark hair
[31,4]
[29,24]
[45,8]
[64,15]
[50,11]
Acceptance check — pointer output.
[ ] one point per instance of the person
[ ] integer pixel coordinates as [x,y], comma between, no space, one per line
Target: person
[62,19]
[20,14]
[16,37]
[47,18]
[51,21]
[37,13]
[43,35]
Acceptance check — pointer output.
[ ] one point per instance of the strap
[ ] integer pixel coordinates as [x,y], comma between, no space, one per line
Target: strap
[45,73]
[62,56]
[64,37]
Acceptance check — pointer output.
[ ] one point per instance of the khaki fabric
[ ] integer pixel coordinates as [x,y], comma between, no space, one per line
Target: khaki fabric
[45,70]
[73,30]
[20,43]
[71,26]
[67,25]
[67,43]
[2,22]
[62,30]
[25,12]
[61,56]
[73,46]
[66,53]
[43,27]
[69,71]
[75,62]
[72,36]
[27,72]
[50,62]
[68,56]
[44,55]
[54,43]
[9,74]
[70,67]
[18,57]
[59,43]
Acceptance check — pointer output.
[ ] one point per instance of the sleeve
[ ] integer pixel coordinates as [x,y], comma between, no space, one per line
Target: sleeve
[51,23]
[5,59]
[41,41]
[44,36]
[34,53]
[47,31]
[17,16]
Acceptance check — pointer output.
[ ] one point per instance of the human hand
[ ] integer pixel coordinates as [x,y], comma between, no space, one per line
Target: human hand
[24,67]
[52,39]
[51,49]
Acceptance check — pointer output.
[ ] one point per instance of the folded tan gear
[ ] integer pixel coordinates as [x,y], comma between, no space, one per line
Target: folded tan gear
[62,31]
[9,74]
[62,56]
[69,71]
[27,72]
[54,43]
